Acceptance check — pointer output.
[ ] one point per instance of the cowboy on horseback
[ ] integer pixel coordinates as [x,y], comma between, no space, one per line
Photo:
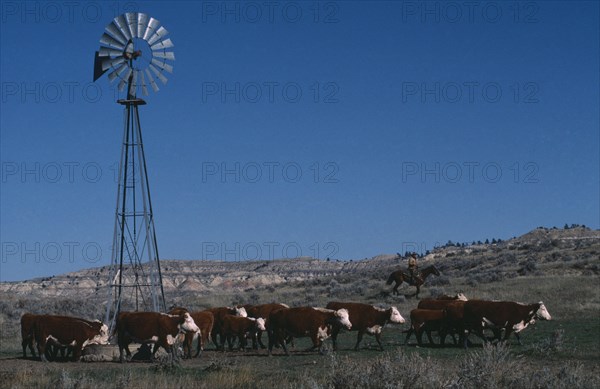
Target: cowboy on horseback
[413,269]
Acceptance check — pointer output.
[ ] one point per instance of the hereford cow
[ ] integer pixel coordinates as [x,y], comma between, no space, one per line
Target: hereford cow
[219,313]
[71,332]
[454,317]
[316,323]
[27,336]
[501,315]
[263,310]
[152,327]
[366,319]
[425,320]
[460,296]
[205,321]
[240,327]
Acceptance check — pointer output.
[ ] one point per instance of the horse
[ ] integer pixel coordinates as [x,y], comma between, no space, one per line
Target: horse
[399,276]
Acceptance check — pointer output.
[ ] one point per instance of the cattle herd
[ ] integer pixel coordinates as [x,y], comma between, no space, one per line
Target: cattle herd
[446,315]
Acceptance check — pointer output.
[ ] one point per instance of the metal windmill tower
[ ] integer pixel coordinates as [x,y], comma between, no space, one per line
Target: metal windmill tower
[133,48]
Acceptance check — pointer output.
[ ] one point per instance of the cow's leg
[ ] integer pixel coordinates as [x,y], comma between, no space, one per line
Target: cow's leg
[518,338]
[41,344]
[259,339]
[429,338]
[408,335]
[334,334]
[24,344]
[419,334]
[418,290]
[378,339]
[358,339]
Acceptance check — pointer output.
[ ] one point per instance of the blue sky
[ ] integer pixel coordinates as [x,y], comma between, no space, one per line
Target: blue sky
[331,129]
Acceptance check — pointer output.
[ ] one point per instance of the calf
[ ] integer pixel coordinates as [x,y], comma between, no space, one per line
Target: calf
[454,320]
[316,323]
[64,331]
[152,327]
[240,327]
[263,310]
[426,320]
[366,319]
[501,315]
[219,313]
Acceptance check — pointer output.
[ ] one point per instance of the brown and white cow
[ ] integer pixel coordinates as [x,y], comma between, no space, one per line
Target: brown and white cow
[27,336]
[501,315]
[316,323]
[240,327]
[366,319]
[454,317]
[264,311]
[65,331]
[219,313]
[152,327]
[205,321]
[426,320]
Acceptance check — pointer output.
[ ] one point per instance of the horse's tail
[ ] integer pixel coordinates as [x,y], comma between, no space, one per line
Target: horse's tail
[390,279]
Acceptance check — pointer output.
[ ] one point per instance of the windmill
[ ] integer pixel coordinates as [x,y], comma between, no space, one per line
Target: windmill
[134,50]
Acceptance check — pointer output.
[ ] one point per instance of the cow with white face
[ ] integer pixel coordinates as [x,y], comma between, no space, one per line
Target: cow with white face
[366,319]
[64,332]
[316,323]
[501,315]
[152,327]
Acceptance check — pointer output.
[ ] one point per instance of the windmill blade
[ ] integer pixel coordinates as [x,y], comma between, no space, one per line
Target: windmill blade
[143,84]
[151,28]
[164,54]
[142,24]
[132,23]
[109,41]
[108,52]
[162,65]
[116,33]
[158,74]
[121,23]
[162,45]
[160,33]
[152,82]
[124,79]
[117,73]
[110,63]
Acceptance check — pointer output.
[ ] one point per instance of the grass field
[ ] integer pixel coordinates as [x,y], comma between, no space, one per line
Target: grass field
[561,353]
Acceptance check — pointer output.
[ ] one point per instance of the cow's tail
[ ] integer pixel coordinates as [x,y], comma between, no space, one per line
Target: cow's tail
[390,279]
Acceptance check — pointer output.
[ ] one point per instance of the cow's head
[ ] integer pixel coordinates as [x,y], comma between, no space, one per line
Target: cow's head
[260,324]
[343,318]
[240,311]
[101,337]
[187,323]
[395,316]
[461,297]
[542,313]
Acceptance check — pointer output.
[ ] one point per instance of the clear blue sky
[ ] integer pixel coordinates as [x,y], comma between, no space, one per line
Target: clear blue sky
[411,124]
